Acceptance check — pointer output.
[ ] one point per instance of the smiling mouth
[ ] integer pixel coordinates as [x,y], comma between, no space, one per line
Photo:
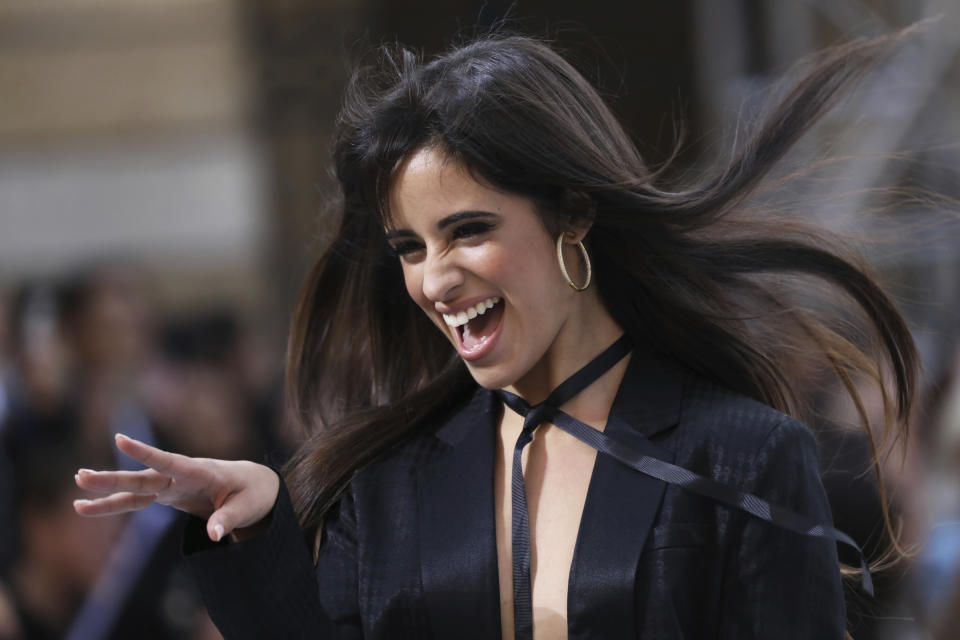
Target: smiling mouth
[475,326]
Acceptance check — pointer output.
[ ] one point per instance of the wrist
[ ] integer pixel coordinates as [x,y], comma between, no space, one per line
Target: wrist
[245,533]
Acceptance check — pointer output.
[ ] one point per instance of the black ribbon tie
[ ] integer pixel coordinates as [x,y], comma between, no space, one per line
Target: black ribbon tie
[547,411]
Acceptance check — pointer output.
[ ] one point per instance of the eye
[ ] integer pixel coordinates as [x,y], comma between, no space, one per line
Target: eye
[406,249]
[471,229]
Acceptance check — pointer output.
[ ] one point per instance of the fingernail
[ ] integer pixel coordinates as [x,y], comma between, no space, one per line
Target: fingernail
[82,501]
[86,471]
[120,437]
[218,529]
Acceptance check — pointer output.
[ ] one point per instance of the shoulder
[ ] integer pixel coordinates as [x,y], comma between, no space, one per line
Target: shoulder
[735,439]
[746,445]
[713,413]
[429,443]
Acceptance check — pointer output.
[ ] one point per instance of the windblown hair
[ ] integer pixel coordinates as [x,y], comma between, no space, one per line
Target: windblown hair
[679,268]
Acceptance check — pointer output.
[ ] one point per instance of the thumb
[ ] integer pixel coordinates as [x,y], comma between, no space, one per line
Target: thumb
[220,523]
[234,517]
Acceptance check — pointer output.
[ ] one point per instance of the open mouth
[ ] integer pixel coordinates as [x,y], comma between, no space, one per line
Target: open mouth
[476,327]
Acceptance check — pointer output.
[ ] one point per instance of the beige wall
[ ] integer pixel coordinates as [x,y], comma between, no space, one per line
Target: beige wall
[124,130]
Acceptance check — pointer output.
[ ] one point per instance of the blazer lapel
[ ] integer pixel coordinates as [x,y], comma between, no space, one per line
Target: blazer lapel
[458,548]
[621,504]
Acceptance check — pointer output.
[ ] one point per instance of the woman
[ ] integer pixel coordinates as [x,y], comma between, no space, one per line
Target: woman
[559,301]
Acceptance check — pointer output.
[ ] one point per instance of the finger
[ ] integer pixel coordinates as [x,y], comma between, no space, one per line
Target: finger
[147,481]
[216,531]
[221,522]
[112,504]
[236,517]
[171,464]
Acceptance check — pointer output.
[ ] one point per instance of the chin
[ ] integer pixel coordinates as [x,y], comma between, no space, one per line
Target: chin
[492,378]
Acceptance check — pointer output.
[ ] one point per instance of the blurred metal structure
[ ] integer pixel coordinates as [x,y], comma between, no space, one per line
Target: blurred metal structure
[900,129]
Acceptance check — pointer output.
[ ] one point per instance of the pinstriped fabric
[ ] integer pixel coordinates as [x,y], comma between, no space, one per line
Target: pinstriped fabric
[676,475]
[730,496]
[411,551]
[710,571]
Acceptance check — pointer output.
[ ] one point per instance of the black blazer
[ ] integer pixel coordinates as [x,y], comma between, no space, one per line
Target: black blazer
[410,550]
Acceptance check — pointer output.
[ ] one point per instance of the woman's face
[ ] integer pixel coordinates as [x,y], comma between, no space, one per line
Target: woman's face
[481,265]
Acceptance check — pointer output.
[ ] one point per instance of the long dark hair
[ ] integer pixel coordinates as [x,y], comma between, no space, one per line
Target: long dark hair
[676,266]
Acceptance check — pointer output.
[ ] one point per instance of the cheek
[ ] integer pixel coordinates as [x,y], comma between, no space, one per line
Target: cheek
[413,281]
[496,266]
[529,272]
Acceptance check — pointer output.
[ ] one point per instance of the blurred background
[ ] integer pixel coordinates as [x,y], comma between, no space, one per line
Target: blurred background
[163,168]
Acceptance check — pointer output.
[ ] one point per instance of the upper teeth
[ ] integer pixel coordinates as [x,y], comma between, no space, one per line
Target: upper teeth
[465,316]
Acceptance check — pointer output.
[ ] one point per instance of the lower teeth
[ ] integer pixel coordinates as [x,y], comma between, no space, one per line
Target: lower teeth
[472,338]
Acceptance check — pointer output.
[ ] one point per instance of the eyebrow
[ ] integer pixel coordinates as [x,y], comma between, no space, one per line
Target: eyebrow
[442,224]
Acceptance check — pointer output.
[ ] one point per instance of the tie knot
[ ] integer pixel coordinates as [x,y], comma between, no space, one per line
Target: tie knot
[537,415]
[532,416]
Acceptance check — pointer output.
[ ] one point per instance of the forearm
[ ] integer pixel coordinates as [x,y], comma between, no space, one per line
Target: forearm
[263,586]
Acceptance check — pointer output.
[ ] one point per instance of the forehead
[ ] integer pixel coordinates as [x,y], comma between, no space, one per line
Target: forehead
[430,185]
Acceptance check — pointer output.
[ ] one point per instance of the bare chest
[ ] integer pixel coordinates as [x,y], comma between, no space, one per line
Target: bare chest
[557,471]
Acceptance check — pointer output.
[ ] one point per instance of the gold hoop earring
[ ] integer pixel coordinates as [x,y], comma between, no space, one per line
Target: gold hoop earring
[563,267]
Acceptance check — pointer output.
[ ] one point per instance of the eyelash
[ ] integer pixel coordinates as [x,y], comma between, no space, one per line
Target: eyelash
[468,230]
[471,229]
[403,248]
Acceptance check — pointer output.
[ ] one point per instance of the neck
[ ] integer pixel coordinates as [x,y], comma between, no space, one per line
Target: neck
[582,339]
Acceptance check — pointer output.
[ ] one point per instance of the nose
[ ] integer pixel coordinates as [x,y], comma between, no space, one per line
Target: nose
[441,278]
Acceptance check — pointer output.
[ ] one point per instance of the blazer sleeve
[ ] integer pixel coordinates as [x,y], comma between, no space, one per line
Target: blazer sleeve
[268,587]
[781,584]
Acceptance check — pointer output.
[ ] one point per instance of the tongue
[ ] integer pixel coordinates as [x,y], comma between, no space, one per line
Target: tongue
[476,331]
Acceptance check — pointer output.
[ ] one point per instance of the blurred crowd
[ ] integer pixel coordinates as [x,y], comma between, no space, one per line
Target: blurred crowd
[82,359]
[918,590]
[86,357]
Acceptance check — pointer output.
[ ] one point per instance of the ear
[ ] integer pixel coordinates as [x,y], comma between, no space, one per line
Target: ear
[580,211]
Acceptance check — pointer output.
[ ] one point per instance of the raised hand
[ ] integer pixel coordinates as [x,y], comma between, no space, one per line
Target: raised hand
[232,495]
